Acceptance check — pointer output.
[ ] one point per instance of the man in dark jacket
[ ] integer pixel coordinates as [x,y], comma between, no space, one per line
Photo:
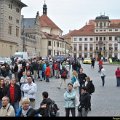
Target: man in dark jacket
[14,93]
[84,103]
[89,87]
[44,106]
[81,79]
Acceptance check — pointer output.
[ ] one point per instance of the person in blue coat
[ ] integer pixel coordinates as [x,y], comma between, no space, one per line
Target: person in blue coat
[69,98]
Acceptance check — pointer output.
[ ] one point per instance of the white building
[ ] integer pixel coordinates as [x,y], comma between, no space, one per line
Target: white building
[96,39]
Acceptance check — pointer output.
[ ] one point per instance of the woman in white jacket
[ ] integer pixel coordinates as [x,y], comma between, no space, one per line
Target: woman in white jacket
[102,74]
[30,90]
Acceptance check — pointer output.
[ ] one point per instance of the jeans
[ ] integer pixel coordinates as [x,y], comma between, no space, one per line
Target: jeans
[67,110]
[15,106]
[103,80]
[83,113]
[40,74]
[118,81]
[47,79]
[35,74]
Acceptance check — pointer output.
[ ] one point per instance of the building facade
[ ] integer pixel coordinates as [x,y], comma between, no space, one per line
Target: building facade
[10,26]
[98,38]
[31,36]
[52,41]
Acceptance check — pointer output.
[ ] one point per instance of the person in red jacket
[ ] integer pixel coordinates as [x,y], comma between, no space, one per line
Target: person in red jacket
[100,65]
[47,73]
[117,73]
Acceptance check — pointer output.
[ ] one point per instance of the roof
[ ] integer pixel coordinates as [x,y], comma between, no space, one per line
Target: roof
[88,30]
[45,21]
[21,3]
[28,22]
[52,36]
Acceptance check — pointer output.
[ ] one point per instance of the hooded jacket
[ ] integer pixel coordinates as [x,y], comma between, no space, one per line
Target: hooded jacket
[117,72]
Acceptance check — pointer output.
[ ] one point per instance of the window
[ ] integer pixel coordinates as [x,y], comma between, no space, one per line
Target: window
[54,43]
[96,38]
[49,52]
[116,47]
[91,47]
[75,47]
[85,39]
[57,44]
[104,38]
[80,39]
[75,39]
[10,30]
[17,31]
[80,55]
[100,24]
[96,48]
[10,6]
[115,38]
[110,29]
[80,47]
[100,38]
[110,38]
[91,55]
[10,17]
[85,47]
[85,55]
[17,21]
[116,29]
[49,43]
[17,10]
[91,39]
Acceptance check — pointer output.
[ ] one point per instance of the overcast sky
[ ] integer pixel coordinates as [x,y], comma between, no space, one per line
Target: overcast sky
[72,14]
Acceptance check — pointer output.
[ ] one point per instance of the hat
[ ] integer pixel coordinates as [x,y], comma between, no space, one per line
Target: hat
[25,100]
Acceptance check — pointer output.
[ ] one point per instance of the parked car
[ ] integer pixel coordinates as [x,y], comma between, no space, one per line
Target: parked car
[87,61]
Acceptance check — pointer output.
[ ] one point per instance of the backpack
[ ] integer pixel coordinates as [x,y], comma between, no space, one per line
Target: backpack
[64,74]
[92,90]
[55,66]
[53,108]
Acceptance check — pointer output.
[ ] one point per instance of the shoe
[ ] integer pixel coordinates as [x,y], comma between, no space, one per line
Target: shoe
[58,87]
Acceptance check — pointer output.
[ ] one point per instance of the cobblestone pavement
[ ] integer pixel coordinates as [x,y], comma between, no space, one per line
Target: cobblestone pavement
[105,100]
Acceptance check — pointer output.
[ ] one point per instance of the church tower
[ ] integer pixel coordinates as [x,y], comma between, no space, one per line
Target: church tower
[44,9]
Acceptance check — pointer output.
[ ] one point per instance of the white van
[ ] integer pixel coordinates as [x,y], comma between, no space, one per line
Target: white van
[21,55]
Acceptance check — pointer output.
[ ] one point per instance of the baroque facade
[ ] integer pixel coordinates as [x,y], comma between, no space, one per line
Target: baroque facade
[10,26]
[98,38]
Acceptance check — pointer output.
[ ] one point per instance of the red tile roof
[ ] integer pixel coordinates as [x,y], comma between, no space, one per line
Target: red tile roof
[45,21]
[88,30]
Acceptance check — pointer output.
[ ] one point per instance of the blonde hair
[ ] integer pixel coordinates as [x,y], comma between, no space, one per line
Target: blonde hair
[25,100]
[75,73]
[87,78]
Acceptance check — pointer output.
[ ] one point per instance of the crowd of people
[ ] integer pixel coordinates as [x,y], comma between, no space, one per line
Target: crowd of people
[18,87]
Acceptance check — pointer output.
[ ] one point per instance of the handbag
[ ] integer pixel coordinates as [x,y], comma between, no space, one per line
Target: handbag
[76,84]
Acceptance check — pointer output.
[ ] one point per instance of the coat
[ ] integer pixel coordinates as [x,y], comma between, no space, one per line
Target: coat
[47,72]
[7,111]
[30,90]
[69,98]
[117,72]
[17,94]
